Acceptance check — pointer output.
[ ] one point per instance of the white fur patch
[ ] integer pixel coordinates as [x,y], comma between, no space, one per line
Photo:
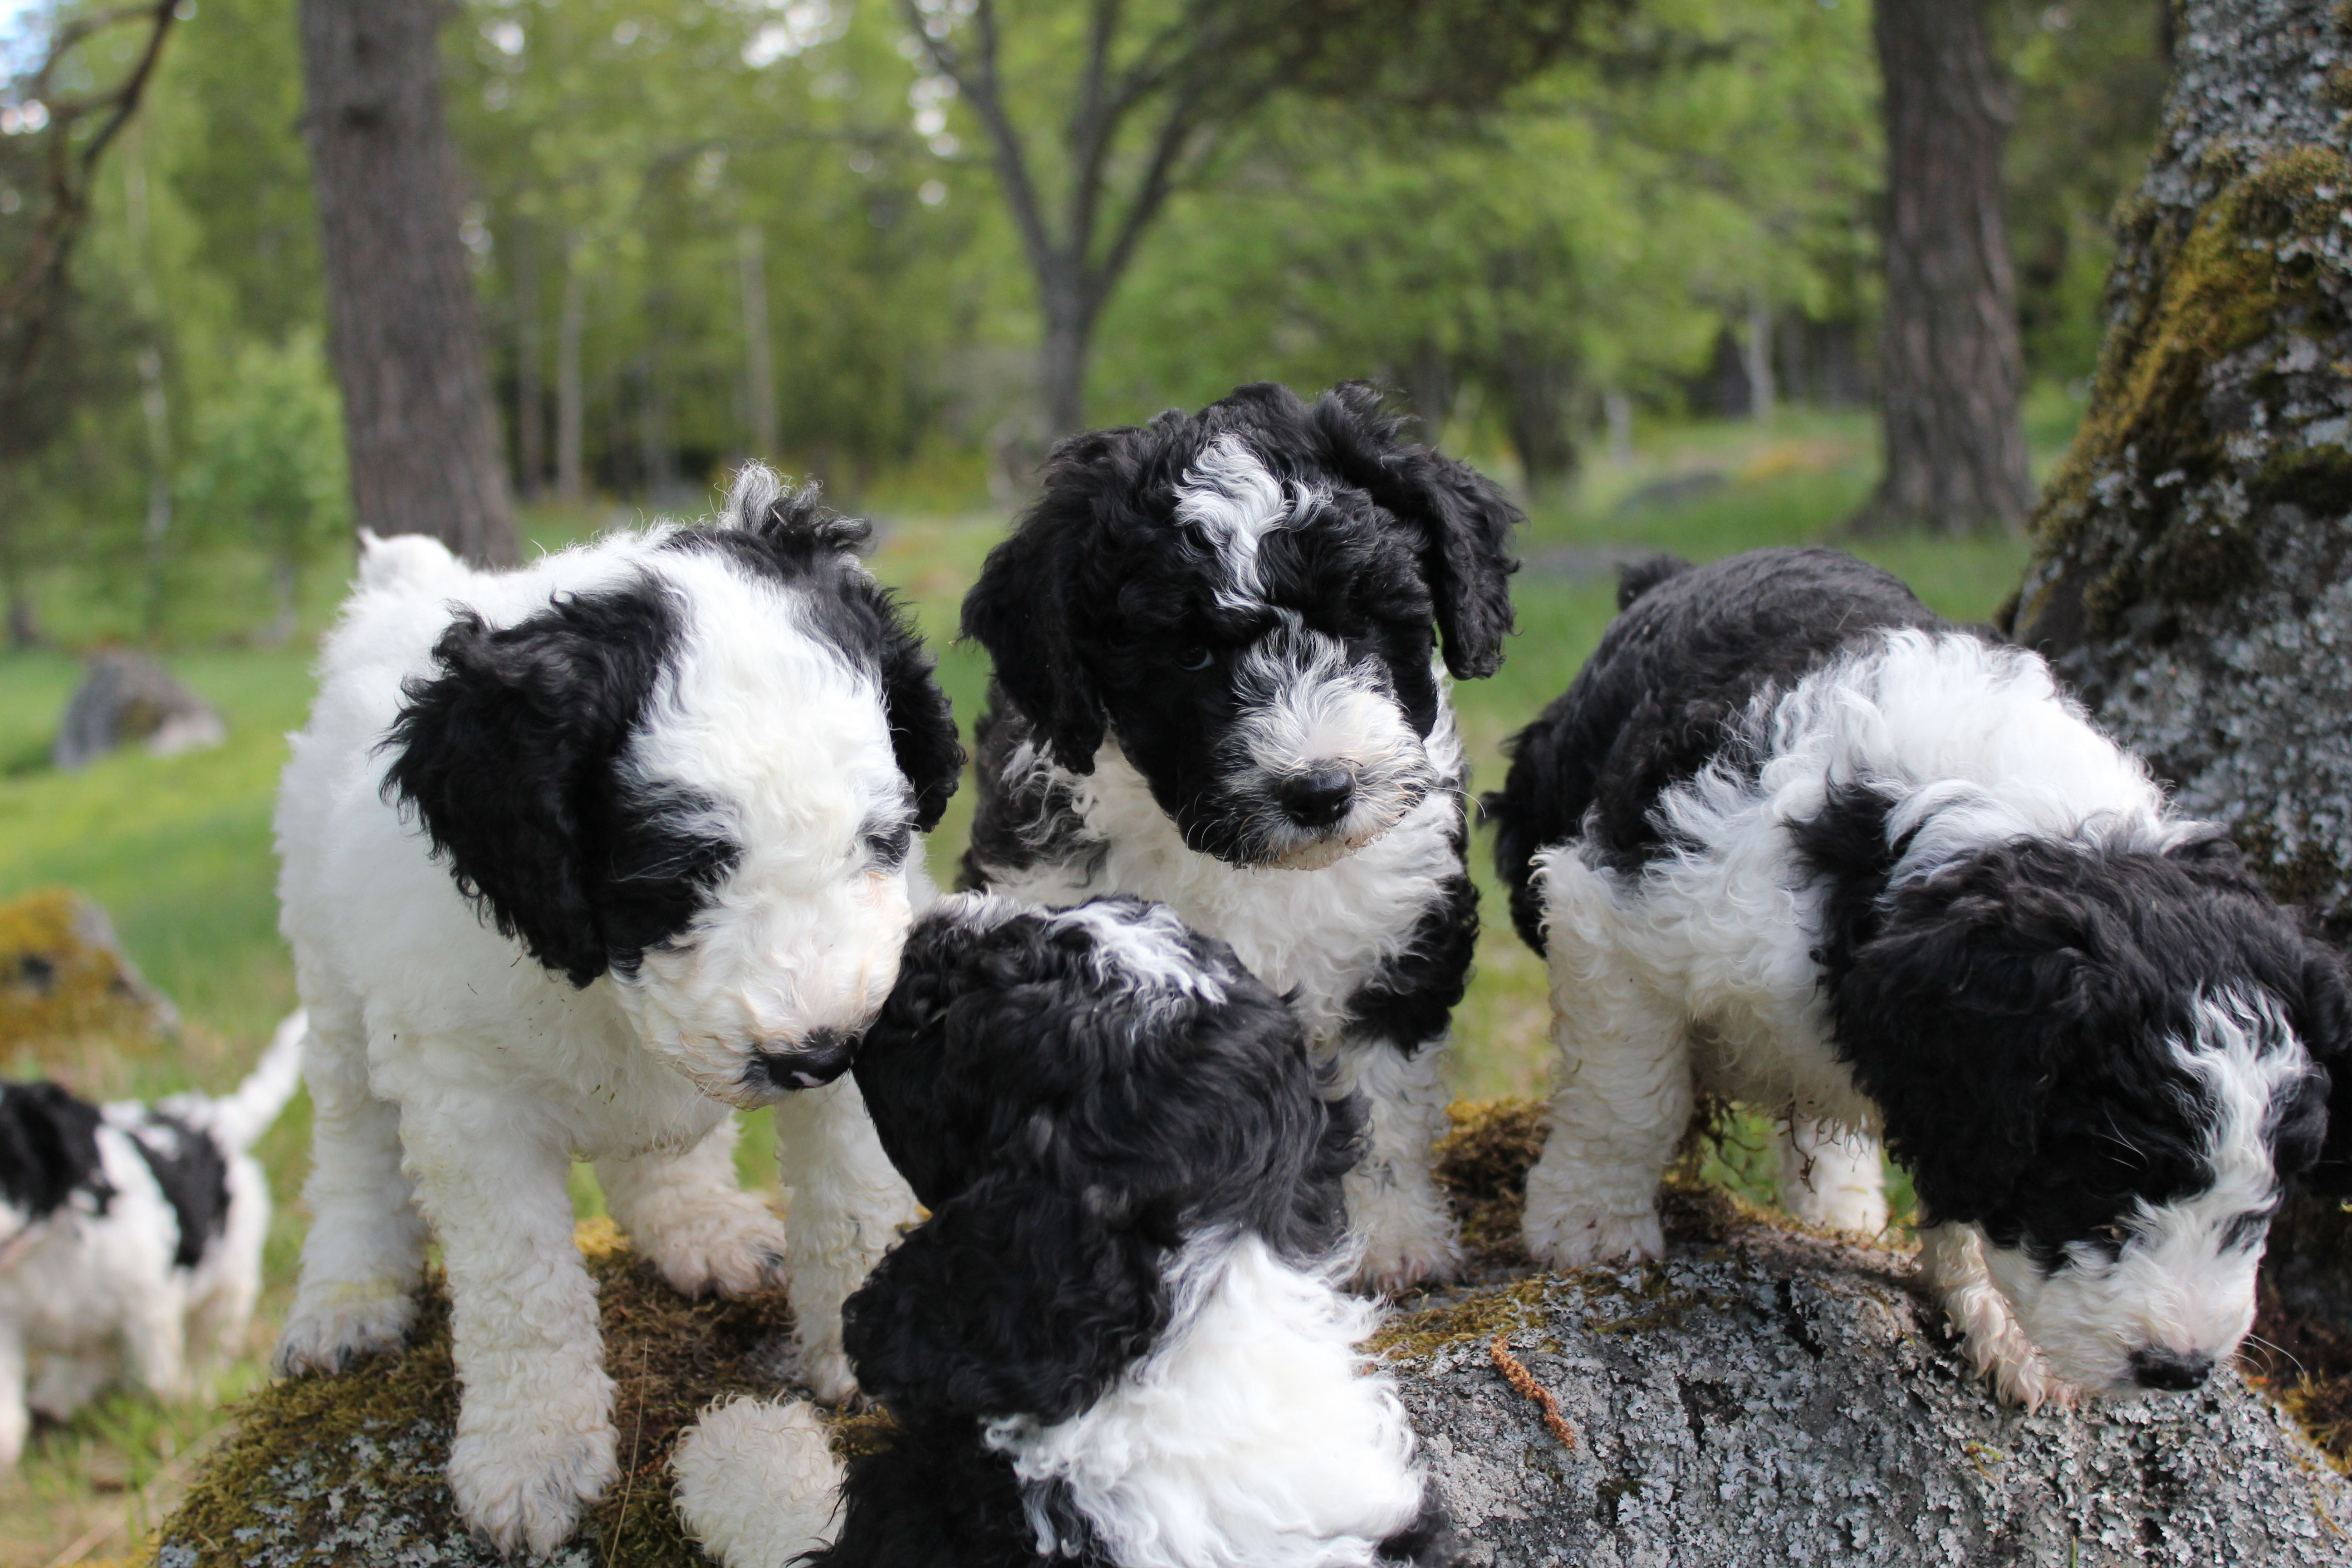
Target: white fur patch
[756,1483]
[1229,496]
[1143,948]
[1249,1439]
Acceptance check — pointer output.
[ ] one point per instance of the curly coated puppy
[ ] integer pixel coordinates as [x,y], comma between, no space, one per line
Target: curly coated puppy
[1790,838]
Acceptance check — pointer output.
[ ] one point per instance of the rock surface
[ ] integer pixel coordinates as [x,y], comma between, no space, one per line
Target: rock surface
[65,979]
[1764,1396]
[124,698]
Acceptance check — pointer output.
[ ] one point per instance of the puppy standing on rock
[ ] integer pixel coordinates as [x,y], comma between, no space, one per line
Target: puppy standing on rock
[1215,686]
[575,857]
[1790,836]
[1117,1340]
[129,1237]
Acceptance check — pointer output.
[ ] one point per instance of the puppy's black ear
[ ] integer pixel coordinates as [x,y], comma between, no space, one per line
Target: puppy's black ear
[922,720]
[1021,608]
[1014,1298]
[2323,1020]
[507,753]
[48,1146]
[1958,1016]
[1464,519]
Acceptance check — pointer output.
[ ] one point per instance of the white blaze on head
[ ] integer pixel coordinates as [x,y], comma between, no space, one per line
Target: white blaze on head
[1228,495]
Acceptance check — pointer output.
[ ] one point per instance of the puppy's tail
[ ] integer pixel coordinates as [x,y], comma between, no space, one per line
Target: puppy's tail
[238,1119]
[757,1484]
[1641,576]
[401,560]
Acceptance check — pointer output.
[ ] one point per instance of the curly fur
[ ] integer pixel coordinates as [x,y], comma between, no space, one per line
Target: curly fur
[1791,836]
[573,853]
[1214,644]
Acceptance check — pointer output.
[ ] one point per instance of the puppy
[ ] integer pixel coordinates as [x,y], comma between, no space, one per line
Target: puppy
[1215,686]
[1117,1339]
[1791,836]
[575,857]
[130,1237]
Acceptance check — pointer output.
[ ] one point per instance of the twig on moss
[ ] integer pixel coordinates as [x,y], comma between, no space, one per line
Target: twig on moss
[1515,1373]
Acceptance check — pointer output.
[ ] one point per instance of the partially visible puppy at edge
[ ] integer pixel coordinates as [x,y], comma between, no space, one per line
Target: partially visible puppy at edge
[1791,838]
[1215,643]
[576,856]
[131,1238]
[1118,1341]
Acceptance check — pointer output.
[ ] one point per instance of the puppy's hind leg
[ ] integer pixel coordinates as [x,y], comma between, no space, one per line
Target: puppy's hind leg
[1405,1228]
[535,1442]
[1623,1095]
[849,1203]
[364,1255]
[1831,1177]
[691,1215]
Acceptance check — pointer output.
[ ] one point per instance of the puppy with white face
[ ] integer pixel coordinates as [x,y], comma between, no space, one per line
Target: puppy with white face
[1792,839]
[1116,1341]
[1215,641]
[574,856]
[131,1238]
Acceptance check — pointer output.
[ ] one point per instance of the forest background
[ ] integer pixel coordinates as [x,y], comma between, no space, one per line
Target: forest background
[1641,286]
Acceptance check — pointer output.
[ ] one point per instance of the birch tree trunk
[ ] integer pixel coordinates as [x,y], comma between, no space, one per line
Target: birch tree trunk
[2189,571]
[1951,364]
[424,450]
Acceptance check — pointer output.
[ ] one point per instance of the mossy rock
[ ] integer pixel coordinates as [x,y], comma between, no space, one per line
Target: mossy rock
[66,987]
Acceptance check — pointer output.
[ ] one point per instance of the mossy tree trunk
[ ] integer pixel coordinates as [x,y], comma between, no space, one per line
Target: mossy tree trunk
[2188,569]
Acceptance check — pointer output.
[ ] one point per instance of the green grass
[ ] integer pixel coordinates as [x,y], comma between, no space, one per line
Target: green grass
[178,850]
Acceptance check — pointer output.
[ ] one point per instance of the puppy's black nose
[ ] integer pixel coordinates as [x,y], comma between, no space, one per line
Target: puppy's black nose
[822,1056]
[2156,1367]
[1318,796]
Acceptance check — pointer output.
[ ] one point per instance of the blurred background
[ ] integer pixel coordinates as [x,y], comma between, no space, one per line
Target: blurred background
[1641,259]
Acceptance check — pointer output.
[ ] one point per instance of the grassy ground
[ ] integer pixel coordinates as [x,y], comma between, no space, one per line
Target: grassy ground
[178,850]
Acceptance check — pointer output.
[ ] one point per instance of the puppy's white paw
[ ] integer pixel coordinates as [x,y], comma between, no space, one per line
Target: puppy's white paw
[825,1369]
[756,1483]
[328,1328]
[1392,1265]
[1571,1240]
[524,1488]
[1408,1234]
[728,1247]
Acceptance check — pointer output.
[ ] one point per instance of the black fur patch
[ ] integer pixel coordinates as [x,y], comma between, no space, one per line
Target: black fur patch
[1414,996]
[1032,821]
[1659,699]
[1069,1131]
[48,1150]
[193,1175]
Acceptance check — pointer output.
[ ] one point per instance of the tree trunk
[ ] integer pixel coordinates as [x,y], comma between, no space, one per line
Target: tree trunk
[1951,365]
[2189,571]
[1061,358]
[1536,386]
[531,393]
[417,413]
[759,356]
[570,398]
[1756,358]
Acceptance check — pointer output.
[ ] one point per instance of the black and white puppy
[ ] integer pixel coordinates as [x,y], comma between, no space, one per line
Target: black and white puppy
[575,855]
[1216,688]
[1792,838]
[1118,1340]
[131,1238]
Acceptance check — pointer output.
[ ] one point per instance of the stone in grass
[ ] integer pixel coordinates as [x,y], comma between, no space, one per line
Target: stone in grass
[125,697]
[1763,1397]
[65,978]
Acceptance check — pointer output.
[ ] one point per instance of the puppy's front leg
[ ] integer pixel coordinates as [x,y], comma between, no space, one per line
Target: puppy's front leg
[1623,1093]
[691,1215]
[1408,1232]
[535,1439]
[849,1203]
[1952,1258]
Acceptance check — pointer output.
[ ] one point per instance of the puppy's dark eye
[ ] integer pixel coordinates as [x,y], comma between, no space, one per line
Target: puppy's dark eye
[888,845]
[1192,660]
[2109,1239]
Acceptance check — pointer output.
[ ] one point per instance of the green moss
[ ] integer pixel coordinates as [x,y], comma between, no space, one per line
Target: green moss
[2209,286]
[1475,1318]
[2317,478]
[381,1430]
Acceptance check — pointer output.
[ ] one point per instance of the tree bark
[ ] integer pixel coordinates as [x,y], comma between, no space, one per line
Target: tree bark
[423,431]
[531,393]
[2189,571]
[1951,362]
[1536,385]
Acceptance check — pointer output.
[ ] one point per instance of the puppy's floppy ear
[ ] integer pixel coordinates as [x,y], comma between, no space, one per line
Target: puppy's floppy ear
[508,751]
[1021,608]
[2323,1020]
[922,720]
[1016,1297]
[1464,519]
[1958,1016]
[48,1146]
